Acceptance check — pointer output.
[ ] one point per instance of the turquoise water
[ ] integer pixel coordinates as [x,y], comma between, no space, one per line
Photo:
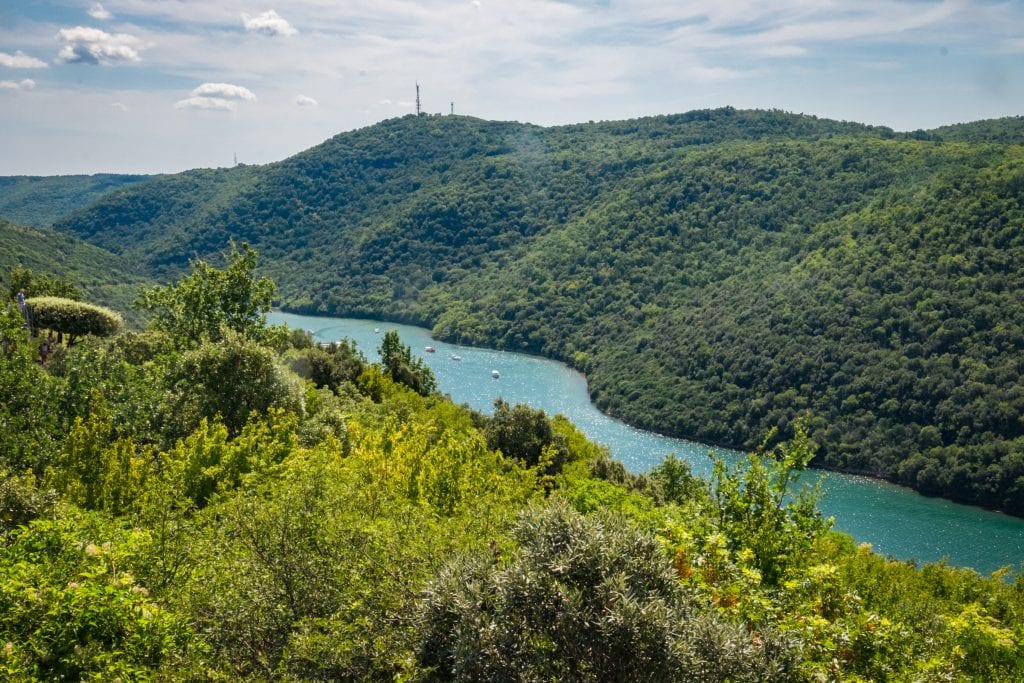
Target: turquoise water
[896,521]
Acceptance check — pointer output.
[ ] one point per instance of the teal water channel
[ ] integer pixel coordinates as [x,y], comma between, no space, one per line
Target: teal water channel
[894,520]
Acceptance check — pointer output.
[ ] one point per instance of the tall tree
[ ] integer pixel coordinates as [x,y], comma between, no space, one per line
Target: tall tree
[397,359]
[201,306]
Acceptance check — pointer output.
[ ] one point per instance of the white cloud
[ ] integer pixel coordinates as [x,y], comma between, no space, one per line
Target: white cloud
[213,103]
[224,91]
[98,11]
[304,101]
[120,106]
[27,84]
[20,60]
[216,97]
[92,46]
[270,23]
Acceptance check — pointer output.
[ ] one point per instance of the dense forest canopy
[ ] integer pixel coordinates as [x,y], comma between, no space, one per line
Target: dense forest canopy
[232,502]
[38,201]
[716,273]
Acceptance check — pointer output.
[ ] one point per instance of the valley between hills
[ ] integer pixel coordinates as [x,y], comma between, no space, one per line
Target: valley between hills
[716,274]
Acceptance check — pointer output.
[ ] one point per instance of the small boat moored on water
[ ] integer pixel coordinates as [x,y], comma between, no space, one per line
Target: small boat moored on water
[495,374]
[429,349]
[456,356]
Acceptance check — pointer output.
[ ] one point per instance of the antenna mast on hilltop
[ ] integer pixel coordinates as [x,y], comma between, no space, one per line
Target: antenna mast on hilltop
[453,108]
[417,98]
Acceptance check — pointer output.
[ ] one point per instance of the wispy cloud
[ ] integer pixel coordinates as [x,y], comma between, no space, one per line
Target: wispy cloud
[304,101]
[784,51]
[99,12]
[20,60]
[269,23]
[120,106]
[26,84]
[86,45]
[710,74]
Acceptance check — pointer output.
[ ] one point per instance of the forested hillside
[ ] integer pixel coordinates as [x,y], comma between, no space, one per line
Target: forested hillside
[98,274]
[39,201]
[715,273]
[218,499]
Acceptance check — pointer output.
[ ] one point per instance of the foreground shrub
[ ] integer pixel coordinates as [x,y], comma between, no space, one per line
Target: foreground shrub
[585,598]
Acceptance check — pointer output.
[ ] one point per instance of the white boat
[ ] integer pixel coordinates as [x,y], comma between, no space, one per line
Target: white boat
[430,349]
[495,374]
[376,330]
[456,356]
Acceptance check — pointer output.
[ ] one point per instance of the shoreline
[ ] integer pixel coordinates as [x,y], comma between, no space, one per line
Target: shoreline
[415,322]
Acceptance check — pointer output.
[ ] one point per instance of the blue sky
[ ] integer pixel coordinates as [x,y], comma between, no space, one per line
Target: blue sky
[147,86]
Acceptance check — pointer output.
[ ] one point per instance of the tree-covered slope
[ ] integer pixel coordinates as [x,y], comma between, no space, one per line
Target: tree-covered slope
[101,275]
[217,499]
[39,201]
[716,273]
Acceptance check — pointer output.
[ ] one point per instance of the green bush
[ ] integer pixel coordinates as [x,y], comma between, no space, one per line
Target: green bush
[73,318]
[583,599]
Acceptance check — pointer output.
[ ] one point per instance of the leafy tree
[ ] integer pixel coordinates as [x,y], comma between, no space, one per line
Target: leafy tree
[759,513]
[397,360]
[228,380]
[202,305]
[73,318]
[330,365]
[523,433]
[35,285]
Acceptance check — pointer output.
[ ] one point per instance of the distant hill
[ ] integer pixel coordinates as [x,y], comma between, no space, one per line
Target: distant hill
[1008,130]
[38,201]
[716,273]
[104,278]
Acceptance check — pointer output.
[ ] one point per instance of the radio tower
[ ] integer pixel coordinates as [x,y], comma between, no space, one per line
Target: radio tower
[417,98]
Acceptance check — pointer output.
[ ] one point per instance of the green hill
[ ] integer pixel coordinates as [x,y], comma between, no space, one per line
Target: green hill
[103,277]
[220,500]
[715,273]
[39,201]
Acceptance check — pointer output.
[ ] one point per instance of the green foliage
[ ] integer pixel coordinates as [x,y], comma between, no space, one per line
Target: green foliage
[716,273]
[208,302]
[47,263]
[20,277]
[40,201]
[676,480]
[583,599]
[22,501]
[229,379]
[29,429]
[73,318]
[397,360]
[243,523]
[69,609]
[758,511]
[331,365]
[523,433]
